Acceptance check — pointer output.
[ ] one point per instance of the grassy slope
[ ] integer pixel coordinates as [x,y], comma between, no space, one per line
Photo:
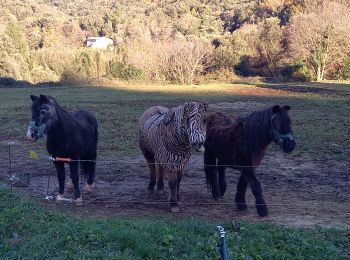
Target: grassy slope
[28,232]
[321,117]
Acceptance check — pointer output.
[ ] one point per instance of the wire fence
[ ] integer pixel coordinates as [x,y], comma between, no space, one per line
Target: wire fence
[36,155]
[12,178]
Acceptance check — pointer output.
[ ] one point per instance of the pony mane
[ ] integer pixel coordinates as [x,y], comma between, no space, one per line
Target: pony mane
[177,118]
[62,112]
[257,131]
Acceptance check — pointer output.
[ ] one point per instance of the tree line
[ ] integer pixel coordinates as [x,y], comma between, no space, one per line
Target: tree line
[183,42]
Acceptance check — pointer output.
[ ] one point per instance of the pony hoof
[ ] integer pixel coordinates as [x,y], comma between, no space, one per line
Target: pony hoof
[222,193]
[262,211]
[59,198]
[161,191]
[241,206]
[201,149]
[216,198]
[78,202]
[149,192]
[149,195]
[70,186]
[175,209]
[89,188]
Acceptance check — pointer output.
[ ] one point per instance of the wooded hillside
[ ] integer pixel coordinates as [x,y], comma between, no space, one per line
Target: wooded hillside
[175,41]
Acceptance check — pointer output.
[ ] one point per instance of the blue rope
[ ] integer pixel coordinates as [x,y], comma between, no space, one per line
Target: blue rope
[222,246]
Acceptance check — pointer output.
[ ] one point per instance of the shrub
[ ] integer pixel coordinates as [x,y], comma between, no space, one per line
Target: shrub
[245,66]
[220,75]
[133,73]
[345,71]
[43,74]
[119,70]
[297,72]
[57,58]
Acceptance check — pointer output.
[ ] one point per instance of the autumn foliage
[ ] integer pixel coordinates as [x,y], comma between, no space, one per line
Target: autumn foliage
[175,41]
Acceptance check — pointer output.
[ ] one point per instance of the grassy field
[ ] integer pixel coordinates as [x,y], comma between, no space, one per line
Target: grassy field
[28,232]
[320,114]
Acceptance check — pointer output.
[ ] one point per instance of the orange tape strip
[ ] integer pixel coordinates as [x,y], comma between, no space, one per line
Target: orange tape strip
[60,159]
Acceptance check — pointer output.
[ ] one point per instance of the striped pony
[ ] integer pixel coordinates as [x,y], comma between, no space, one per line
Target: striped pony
[166,137]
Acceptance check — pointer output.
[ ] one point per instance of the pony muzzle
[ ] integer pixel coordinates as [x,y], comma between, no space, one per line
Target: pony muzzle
[288,145]
[35,132]
[30,135]
[199,147]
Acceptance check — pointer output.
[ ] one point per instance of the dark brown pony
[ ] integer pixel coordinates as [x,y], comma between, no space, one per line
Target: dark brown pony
[240,143]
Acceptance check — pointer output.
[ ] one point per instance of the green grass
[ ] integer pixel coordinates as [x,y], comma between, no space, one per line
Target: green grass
[28,231]
[320,112]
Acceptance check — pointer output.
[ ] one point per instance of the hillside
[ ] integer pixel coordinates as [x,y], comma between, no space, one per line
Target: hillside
[154,40]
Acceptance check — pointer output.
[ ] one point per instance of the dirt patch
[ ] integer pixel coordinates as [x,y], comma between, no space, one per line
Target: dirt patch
[298,190]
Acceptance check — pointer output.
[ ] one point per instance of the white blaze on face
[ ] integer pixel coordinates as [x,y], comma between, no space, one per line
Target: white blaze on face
[29,133]
[201,149]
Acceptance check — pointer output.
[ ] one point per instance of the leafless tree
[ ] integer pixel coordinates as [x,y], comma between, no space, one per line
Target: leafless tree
[321,37]
[183,60]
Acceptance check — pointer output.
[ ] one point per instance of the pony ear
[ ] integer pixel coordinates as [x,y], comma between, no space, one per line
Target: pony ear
[205,104]
[186,108]
[33,97]
[287,108]
[168,117]
[276,109]
[44,99]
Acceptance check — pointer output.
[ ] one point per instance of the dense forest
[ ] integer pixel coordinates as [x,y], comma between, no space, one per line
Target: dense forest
[184,41]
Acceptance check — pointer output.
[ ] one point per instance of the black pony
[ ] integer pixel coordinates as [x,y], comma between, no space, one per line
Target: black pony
[240,143]
[69,135]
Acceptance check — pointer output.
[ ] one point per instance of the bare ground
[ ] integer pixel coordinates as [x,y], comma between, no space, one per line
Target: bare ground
[299,191]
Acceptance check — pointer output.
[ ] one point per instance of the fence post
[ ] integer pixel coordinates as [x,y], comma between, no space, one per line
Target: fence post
[47,188]
[47,196]
[10,162]
[222,244]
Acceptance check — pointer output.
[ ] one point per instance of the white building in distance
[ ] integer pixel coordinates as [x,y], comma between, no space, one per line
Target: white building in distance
[98,42]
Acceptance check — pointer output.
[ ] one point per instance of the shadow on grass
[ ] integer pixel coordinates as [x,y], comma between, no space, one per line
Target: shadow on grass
[327,88]
[8,82]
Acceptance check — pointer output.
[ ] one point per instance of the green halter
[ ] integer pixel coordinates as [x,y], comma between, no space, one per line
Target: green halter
[278,138]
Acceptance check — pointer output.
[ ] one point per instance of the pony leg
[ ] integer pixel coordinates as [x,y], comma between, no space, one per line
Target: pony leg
[174,208]
[74,175]
[61,176]
[160,182]
[152,175]
[89,170]
[84,169]
[222,180]
[257,191]
[211,174]
[91,173]
[240,194]
[179,175]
